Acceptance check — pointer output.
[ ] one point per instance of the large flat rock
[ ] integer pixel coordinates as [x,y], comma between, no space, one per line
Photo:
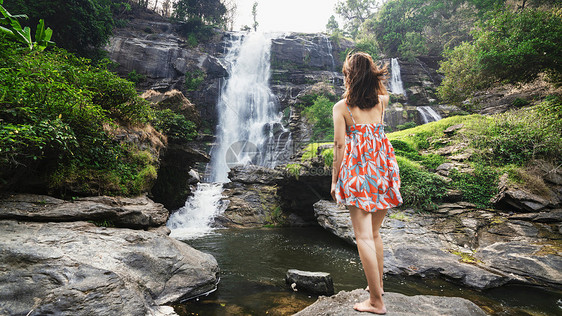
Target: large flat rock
[476,248]
[139,212]
[397,304]
[80,269]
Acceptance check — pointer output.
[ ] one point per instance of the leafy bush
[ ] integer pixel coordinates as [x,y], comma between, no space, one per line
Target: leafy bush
[58,113]
[406,126]
[510,47]
[419,189]
[194,79]
[175,126]
[320,115]
[477,188]
[81,27]
[518,136]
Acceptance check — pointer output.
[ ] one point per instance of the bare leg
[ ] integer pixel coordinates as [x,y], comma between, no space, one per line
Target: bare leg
[365,225]
[377,222]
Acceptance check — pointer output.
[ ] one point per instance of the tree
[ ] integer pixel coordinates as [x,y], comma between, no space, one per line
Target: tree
[332,27]
[231,8]
[356,12]
[510,47]
[255,15]
[166,8]
[82,26]
[207,11]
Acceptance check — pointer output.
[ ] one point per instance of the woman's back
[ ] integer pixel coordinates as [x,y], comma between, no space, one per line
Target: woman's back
[372,115]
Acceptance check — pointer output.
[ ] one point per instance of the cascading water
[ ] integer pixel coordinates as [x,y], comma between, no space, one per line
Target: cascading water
[428,114]
[396,85]
[194,219]
[249,132]
[250,128]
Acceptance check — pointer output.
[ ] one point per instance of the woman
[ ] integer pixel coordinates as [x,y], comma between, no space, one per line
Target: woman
[365,173]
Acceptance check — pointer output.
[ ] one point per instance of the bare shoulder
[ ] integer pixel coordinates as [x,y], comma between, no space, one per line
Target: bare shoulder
[385,98]
[339,106]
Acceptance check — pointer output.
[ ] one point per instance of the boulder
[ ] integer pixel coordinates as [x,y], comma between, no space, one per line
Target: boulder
[335,219]
[172,185]
[252,198]
[173,100]
[80,269]
[342,303]
[413,248]
[511,197]
[312,282]
[139,212]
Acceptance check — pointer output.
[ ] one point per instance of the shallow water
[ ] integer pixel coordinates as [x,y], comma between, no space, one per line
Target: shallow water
[254,262]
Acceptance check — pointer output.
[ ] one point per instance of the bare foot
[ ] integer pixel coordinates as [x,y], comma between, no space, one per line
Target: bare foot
[367,289]
[366,306]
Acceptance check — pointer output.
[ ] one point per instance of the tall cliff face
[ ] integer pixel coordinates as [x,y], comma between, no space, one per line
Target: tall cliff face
[301,64]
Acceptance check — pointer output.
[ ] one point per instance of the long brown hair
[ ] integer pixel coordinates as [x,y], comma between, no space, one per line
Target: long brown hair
[364,81]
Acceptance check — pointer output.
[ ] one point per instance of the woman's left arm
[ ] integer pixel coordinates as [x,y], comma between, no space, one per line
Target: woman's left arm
[339,145]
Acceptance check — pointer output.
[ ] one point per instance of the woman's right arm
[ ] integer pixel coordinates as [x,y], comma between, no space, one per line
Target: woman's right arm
[339,144]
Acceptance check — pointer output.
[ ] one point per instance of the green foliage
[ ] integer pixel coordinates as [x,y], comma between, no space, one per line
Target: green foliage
[509,47]
[311,150]
[419,188]
[82,27]
[207,11]
[294,169]
[194,79]
[136,77]
[58,113]
[355,13]
[332,27]
[175,126]
[23,35]
[328,156]
[519,103]
[477,188]
[518,136]
[320,115]
[405,150]
[410,28]
[406,126]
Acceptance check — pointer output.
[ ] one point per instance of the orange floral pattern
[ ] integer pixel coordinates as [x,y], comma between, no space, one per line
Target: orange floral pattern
[369,176]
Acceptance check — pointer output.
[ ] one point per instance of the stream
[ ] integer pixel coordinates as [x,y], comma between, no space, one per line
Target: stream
[254,262]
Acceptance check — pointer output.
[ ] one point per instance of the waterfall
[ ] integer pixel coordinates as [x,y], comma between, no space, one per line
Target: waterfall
[428,114]
[396,85]
[250,129]
[194,219]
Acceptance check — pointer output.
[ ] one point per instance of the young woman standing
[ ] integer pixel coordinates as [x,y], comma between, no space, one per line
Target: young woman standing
[365,172]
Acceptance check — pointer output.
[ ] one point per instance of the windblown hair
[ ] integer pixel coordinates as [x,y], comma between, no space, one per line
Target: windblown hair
[364,81]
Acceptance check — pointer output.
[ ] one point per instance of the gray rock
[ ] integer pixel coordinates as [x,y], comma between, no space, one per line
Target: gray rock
[335,219]
[140,212]
[80,269]
[451,129]
[542,262]
[312,282]
[342,303]
[411,248]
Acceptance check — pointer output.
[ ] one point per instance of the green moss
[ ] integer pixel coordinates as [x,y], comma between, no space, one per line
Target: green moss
[401,216]
[294,169]
[419,188]
[465,257]
[311,151]
[328,156]
[478,187]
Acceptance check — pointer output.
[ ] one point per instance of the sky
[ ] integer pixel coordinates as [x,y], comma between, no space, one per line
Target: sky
[307,16]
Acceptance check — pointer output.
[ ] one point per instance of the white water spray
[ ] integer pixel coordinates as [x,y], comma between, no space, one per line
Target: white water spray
[428,114]
[396,85]
[194,219]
